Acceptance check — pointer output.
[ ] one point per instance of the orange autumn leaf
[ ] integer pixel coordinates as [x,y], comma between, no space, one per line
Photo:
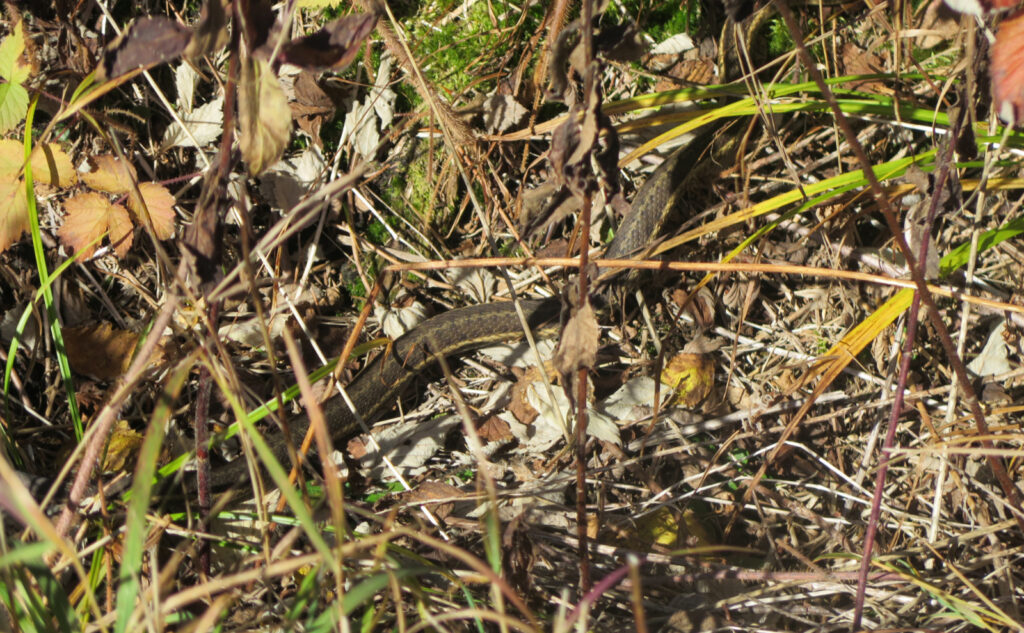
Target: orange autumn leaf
[110,174]
[160,204]
[89,217]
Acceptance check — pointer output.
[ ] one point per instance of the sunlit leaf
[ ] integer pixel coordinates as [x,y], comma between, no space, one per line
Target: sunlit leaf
[90,216]
[110,174]
[160,204]
[13,211]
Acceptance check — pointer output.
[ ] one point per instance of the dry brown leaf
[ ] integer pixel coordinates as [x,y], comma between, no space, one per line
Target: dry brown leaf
[99,350]
[110,174]
[494,429]
[210,33]
[88,217]
[577,349]
[439,497]
[160,204]
[334,46]
[150,40]
[264,118]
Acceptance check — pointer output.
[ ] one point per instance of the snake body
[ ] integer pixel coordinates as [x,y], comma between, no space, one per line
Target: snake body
[376,388]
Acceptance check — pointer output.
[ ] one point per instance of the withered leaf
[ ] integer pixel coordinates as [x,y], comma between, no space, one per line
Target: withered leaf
[264,118]
[211,33]
[99,350]
[149,41]
[334,46]
[123,446]
[577,349]
[89,217]
[692,376]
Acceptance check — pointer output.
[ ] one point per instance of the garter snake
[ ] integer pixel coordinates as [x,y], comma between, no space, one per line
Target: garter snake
[381,382]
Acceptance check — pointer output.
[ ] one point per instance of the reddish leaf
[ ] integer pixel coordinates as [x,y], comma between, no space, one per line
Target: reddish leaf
[1007,69]
[333,46]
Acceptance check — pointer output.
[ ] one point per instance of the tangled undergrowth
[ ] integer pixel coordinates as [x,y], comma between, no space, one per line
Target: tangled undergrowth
[203,203]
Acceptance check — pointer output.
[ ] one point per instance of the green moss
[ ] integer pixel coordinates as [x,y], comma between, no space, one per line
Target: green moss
[779,39]
[660,20]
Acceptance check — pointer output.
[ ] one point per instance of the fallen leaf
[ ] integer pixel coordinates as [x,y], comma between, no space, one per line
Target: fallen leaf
[91,215]
[437,496]
[691,376]
[263,115]
[122,447]
[494,429]
[577,349]
[99,350]
[205,125]
[332,47]
[159,202]
[502,112]
[994,357]
[675,45]
[111,174]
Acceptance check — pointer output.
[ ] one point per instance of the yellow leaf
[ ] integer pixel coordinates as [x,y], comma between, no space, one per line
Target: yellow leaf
[692,376]
[264,119]
[110,174]
[13,211]
[12,157]
[122,447]
[52,167]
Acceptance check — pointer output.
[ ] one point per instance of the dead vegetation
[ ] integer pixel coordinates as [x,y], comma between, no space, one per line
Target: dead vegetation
[200,210]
